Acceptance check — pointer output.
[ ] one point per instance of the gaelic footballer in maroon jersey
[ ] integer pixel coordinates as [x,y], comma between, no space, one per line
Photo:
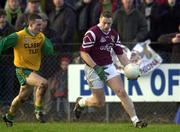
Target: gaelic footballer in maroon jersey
[99,69]
[98,45]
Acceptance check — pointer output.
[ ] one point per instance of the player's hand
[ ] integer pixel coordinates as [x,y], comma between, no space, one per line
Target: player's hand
[176,39]
[101,73]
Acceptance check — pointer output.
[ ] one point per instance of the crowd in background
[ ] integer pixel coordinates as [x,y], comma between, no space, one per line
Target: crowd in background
[66,21]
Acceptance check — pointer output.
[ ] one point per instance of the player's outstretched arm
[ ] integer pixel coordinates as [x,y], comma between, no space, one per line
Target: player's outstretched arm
[123,59]
[7,42]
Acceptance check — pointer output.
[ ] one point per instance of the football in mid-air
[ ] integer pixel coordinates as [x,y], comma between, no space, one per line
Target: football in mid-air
[132,71]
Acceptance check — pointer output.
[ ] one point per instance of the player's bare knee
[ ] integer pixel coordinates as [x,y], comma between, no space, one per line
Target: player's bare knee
[42,88]
[100,103]
[121,93]
[43,84]
[21,99]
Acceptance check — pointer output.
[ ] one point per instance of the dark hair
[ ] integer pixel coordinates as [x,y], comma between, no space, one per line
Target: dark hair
[2,12]
[106,14]
[33,17]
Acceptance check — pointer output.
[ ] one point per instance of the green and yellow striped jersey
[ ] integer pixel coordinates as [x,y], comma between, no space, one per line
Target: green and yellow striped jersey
[28,49]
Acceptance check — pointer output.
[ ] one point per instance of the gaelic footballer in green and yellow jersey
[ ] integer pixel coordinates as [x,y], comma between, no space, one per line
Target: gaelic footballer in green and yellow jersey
[29,45]
[28,49]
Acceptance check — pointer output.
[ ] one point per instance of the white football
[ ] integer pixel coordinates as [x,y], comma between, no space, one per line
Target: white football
[132,71]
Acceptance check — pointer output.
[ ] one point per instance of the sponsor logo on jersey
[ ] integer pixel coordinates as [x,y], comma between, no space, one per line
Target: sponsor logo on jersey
[107,47]
[102,40]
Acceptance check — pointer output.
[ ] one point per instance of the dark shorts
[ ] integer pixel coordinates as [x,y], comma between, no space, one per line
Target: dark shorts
[22,74]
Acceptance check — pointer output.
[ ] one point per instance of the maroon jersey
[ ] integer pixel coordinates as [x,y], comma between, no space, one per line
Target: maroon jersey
[99,45]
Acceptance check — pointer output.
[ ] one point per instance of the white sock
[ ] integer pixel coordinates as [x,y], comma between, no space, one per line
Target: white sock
[134,119]
[82,102]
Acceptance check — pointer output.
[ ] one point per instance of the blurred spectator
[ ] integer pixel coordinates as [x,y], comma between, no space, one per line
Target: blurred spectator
[48,61]
[48,6]
[161,1]
[7,72]
[59,84]
[86,9]
[174,40]
[170,18]
[49,32]
[33,6]
[2,3]
[13,11]
[152,12]
[5,27]
[137,3]
[86,15]
[23,4]
[70,2]
[63,21]
[109,5]
[76,58]
[130,23]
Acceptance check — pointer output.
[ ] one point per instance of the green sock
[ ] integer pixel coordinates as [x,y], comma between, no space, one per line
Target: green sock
[38,108]
[10,117]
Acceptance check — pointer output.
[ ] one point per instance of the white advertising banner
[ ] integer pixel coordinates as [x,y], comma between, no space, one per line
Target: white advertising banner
[161,85]
[141,54]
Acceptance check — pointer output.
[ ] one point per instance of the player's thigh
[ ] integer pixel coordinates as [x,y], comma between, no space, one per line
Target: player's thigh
[93,79]
[35,80]
[25,91]
[116,85]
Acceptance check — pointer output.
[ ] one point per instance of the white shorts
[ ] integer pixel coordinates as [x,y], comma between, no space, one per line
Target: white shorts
[93,79]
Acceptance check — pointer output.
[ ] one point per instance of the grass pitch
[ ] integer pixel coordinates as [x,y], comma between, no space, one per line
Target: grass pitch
[86,127]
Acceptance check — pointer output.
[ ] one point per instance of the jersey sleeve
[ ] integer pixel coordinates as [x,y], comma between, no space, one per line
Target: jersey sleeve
[47,48]
[88,41]
[117,47]
[7,42]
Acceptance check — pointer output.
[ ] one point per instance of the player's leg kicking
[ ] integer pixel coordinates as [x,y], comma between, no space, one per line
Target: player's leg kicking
[27,82]
[116,85]
[97,98]
[24,92]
